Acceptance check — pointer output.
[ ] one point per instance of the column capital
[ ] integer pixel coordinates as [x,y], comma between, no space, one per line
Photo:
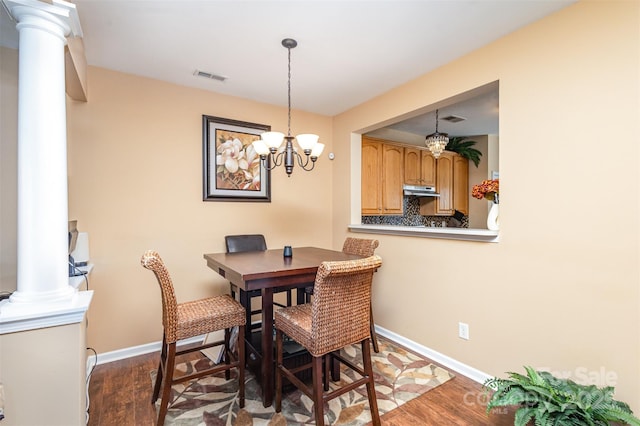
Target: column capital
[62,11]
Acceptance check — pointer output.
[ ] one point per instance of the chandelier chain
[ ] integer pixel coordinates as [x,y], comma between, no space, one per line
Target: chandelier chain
[289,93]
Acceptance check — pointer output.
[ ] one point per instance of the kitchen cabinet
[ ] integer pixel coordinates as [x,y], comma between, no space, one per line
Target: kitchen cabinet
[419,167]
[460,184]
[382,177]
[452,183]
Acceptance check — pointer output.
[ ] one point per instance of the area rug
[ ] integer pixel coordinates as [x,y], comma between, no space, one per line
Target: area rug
[211,401]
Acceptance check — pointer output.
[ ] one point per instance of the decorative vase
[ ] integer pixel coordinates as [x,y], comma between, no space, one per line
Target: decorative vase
[492,218]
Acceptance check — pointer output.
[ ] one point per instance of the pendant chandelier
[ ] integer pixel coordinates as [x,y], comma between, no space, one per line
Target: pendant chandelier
[269,145]
[436,142]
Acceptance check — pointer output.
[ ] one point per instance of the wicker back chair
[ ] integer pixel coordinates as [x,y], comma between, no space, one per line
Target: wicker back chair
[364,247]
[361,247]
[337,316]
[190,319]
[241,244]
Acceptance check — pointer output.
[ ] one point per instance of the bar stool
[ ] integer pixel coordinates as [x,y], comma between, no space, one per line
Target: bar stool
[361,247]
[190,319]
[337,316]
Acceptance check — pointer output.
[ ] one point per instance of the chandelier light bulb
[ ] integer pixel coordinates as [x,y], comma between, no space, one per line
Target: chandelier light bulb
[260,147]
[307,141]
[272,139]
[317,150]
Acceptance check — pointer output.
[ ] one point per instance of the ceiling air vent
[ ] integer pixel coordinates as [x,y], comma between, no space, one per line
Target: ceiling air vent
[453,118]
[209,75]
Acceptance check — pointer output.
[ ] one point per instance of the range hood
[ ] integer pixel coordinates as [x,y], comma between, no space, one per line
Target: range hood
[420,190]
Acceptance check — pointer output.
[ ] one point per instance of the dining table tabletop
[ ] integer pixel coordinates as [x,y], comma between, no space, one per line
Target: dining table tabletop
[268,271]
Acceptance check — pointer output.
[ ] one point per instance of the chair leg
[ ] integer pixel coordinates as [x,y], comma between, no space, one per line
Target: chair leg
[374,338]
[159,375]
[327,362]
[278,401]
[226,353]
[318,401]
[371,390]
[241,361]
[334,365]
[168,381]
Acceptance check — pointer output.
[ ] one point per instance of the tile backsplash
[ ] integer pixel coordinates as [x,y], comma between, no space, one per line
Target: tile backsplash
[412,217]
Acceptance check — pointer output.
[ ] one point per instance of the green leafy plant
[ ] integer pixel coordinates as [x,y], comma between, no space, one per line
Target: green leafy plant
[463,147]
[559,402]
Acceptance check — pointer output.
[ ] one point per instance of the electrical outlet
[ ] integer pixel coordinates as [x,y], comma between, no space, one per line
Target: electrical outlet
[463,331]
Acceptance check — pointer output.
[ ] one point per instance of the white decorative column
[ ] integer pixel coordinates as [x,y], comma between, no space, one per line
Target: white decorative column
[42,149]
[44,310]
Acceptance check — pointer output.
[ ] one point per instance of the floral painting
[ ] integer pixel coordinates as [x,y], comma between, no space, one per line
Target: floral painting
[233,170]
[238,165]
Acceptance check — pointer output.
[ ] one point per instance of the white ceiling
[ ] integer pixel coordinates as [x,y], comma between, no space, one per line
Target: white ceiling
[348,51]
[476,113]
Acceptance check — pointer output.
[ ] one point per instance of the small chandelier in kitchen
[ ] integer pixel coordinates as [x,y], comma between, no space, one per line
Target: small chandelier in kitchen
[436,142]
[268,147]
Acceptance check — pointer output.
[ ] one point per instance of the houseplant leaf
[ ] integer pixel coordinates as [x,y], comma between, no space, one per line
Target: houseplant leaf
[464,147]
[550,401]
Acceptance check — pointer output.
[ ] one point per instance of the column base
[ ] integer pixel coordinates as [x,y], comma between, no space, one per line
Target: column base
[58,295]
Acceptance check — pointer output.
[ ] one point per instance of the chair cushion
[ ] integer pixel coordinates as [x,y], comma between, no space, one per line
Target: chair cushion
[206,315]
[295,322]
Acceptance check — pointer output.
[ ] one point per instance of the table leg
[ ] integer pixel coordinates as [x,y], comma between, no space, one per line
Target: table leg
[267,346]
[301,293]
[300,296]
[245,301]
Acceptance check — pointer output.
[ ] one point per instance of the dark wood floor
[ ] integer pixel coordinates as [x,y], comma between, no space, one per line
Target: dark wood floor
[120,394]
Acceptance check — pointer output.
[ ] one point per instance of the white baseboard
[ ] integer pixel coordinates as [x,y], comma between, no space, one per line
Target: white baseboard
[119,354]
[457,366]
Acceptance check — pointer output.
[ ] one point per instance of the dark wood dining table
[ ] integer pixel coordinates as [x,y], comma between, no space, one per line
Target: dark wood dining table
[266,271]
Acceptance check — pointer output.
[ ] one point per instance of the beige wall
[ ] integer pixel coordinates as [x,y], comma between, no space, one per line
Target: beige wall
[135,183]
[561,288]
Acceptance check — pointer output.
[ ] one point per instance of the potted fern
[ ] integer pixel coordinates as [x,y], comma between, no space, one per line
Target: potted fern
[548,400]
[465,148]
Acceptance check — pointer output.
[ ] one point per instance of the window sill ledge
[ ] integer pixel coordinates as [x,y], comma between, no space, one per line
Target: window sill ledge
[465,234]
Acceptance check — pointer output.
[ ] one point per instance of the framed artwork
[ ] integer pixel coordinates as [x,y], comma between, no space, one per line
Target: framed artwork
[232,170]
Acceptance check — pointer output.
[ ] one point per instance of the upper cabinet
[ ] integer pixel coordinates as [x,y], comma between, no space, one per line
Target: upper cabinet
[452,183]
[419,167]
[460,184]
[386,166]
[382,177]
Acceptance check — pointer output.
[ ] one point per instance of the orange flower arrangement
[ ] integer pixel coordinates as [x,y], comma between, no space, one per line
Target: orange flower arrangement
[488,189]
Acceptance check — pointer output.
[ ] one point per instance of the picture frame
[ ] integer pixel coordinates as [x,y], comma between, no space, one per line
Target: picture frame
[232,170]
